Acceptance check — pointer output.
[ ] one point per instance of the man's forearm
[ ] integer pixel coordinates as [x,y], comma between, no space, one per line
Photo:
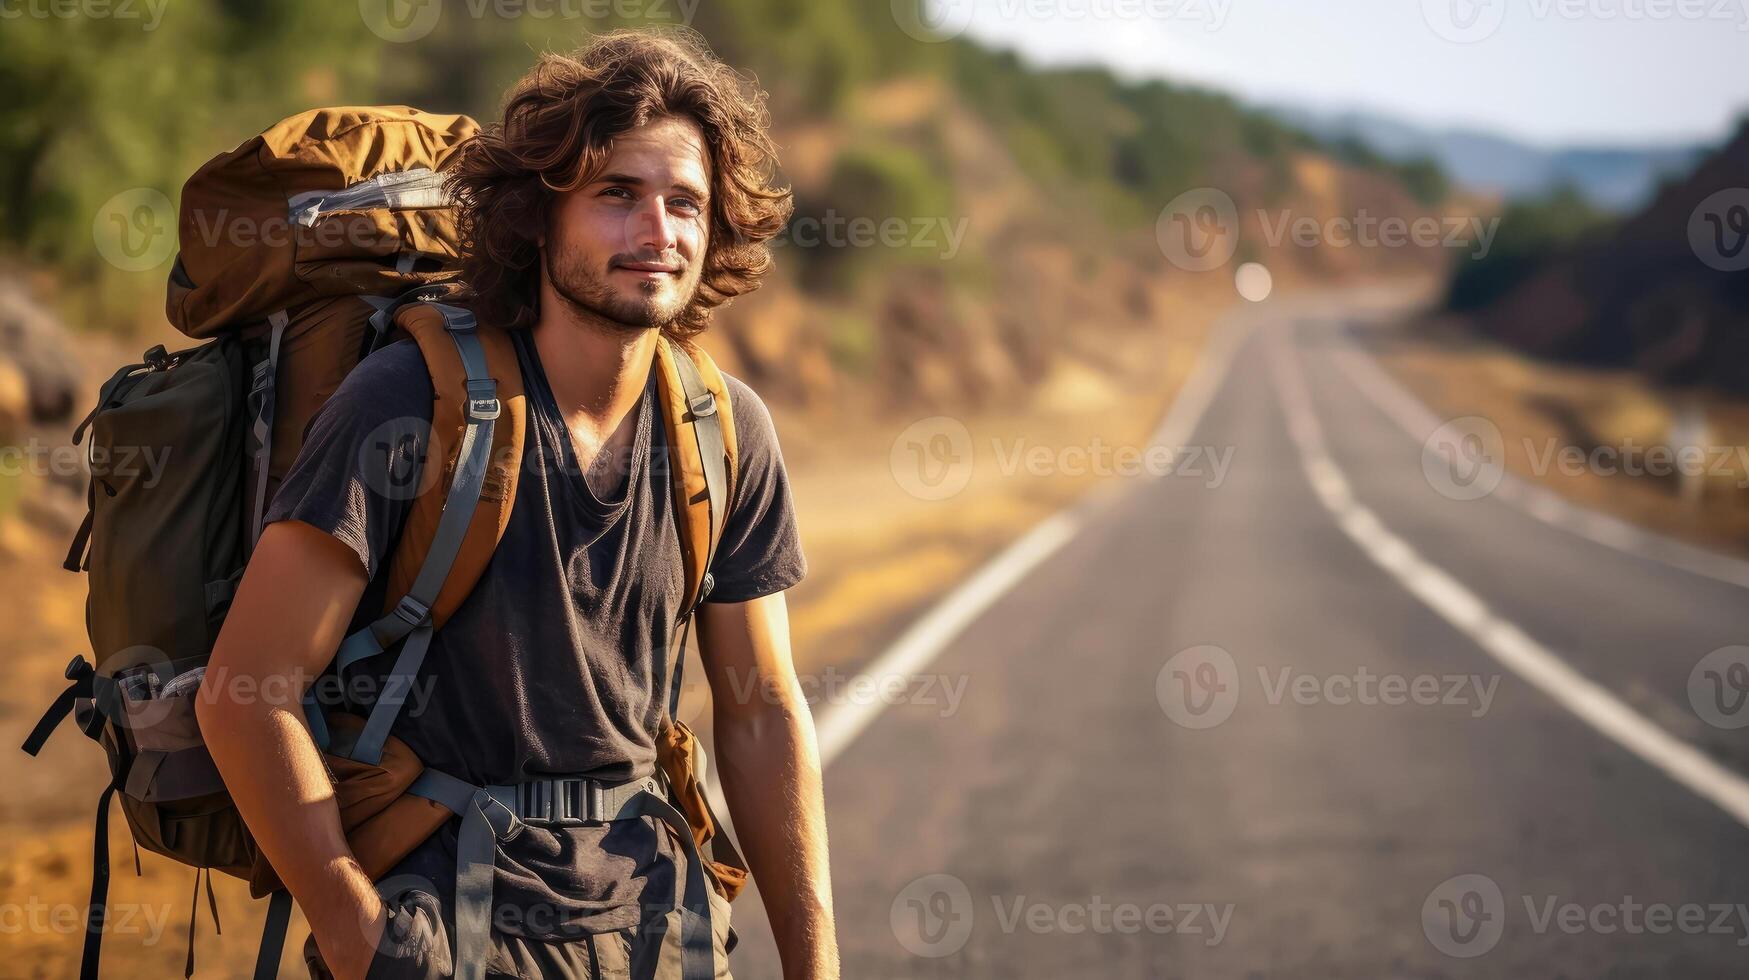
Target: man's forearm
[771,779]
[276,776]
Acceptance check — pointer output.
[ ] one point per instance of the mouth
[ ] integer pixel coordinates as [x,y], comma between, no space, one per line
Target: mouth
[649,270]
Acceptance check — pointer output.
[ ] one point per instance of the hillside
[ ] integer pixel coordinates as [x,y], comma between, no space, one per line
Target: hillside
[1660,293]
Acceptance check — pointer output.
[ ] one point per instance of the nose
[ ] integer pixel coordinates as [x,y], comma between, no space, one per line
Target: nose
[650,228]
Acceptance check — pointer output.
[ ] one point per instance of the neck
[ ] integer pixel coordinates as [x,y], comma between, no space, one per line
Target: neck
[596,368]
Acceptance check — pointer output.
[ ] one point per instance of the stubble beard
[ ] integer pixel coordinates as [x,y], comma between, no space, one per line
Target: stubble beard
[590,296]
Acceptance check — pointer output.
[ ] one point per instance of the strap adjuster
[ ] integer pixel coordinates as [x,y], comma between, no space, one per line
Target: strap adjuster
[456,319]
[412,611]
[702,406]
[483,399]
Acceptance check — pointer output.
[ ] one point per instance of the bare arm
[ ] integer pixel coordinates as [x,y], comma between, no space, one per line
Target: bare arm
[770,768]
[290,614]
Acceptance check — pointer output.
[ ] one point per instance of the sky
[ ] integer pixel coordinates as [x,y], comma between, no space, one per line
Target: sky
[1549,72]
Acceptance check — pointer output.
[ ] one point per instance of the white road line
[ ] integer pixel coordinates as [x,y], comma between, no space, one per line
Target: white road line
[1540,502]
[1500,637]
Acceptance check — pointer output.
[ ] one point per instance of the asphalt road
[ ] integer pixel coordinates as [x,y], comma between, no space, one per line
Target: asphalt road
[1313,719]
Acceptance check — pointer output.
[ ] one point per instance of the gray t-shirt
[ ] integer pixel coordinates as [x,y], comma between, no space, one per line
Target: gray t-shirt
[556,662]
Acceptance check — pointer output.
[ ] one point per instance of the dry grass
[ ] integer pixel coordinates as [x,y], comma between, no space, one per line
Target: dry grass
[1539,405]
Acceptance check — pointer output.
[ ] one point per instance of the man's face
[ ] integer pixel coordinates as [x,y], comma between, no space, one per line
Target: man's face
[629,245]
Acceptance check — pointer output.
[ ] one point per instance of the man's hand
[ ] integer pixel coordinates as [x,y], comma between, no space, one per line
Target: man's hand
[290,613]
[770,766]
[349,933]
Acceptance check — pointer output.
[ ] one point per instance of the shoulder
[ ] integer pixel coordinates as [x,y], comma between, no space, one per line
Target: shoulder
[755,432]
[745,403]
[391,382]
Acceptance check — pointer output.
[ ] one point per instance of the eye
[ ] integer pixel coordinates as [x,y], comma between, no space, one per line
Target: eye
[686,205]
[619,192]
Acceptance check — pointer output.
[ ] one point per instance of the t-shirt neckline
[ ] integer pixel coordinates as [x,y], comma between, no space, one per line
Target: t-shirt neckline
[557,434]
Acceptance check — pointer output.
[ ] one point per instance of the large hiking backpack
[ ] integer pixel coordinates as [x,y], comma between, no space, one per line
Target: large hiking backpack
[301,252]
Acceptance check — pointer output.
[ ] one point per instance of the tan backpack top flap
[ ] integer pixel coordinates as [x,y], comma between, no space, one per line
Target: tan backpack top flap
[330,201]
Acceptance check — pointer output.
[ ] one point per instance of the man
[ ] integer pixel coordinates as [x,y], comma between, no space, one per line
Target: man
[628,192]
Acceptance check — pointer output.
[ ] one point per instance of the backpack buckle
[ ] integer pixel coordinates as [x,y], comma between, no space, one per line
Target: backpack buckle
[483,400]
[412,611]
[559,801]
[702,405]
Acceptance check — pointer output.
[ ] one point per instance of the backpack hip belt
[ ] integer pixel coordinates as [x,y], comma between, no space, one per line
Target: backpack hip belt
[498,812]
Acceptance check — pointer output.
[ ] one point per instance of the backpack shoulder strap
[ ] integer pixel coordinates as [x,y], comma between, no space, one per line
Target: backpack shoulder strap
[702,454]
[435,326]
[477,431]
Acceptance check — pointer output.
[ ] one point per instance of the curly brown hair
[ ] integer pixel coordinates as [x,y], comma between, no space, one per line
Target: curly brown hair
[559,124]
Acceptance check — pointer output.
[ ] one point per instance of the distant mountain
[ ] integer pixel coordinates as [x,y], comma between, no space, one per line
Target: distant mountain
[1616,178]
